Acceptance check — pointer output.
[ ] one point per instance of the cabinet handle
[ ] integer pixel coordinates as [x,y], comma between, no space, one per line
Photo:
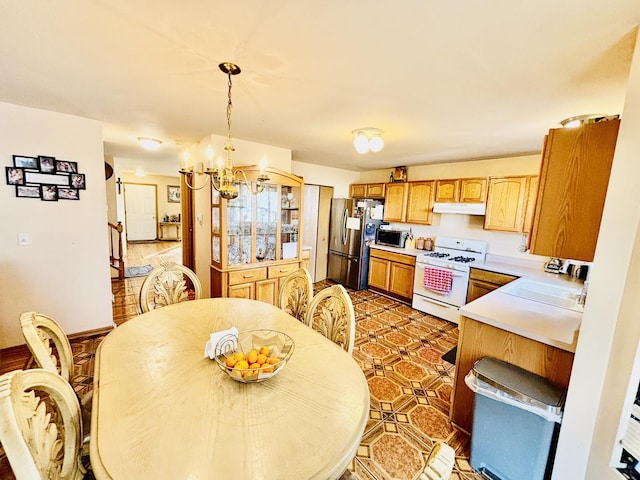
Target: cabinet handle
[248,276]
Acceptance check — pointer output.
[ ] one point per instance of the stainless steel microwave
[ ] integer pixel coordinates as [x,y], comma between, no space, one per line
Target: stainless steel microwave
[391,238]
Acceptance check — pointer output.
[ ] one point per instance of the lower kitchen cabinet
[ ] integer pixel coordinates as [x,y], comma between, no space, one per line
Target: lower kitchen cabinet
[253,283]
[478,340]
[392,274]
[482,282]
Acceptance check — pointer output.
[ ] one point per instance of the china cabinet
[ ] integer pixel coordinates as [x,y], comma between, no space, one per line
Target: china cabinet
[255,239]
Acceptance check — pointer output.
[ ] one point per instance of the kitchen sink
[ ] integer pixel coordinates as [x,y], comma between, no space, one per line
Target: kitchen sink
[549,293]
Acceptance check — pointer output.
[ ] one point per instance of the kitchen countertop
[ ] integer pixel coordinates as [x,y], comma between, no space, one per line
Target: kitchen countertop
[544,323]
[547,324]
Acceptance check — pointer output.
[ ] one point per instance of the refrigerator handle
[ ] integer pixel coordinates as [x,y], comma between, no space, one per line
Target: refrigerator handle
[345,215]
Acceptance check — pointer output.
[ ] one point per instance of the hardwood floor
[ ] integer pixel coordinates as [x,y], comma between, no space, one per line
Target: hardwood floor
[399,349]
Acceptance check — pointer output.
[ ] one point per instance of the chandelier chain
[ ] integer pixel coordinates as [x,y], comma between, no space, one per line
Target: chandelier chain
[229,107]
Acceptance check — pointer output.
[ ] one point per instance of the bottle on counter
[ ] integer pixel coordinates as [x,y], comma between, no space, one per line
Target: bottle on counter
[420,243]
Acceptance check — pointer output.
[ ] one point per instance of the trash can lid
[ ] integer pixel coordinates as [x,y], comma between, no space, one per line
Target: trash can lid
[519,383]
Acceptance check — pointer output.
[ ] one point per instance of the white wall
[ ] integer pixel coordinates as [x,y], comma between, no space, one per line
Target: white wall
[610,332]
[69,242]
[331,177]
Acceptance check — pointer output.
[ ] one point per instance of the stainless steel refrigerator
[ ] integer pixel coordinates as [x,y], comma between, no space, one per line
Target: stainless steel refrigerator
[353,224]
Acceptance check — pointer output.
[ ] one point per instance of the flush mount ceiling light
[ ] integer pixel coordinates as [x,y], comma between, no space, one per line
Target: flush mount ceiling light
[225,178]
[368,139]
[149,143]
[579,120]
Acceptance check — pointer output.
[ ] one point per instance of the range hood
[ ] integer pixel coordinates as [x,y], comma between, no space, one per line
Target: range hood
[461,208]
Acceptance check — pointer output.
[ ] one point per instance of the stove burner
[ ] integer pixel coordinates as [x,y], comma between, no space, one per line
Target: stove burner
[437,255]
[463,259]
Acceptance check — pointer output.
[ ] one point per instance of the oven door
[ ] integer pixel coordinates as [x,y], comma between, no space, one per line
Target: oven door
[439,304]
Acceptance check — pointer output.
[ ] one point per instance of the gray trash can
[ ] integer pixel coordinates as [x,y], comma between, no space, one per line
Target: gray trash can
[516,419]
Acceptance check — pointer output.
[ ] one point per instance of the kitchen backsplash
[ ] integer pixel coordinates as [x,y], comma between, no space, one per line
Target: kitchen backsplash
[471,226]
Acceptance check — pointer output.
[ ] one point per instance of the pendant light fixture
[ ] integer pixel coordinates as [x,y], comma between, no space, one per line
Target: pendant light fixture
[224,178]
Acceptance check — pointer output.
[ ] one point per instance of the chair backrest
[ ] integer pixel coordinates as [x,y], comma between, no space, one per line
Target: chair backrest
[40,441]
[440,462]
[39,331]
[331,313]
[166,285]
[296,292]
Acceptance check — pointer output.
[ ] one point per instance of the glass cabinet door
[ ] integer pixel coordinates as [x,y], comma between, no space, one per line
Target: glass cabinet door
[266,223]
[239,228]
[290,203]
[215,226]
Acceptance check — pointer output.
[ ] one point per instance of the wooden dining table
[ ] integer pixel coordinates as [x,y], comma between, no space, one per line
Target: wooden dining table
[162,409]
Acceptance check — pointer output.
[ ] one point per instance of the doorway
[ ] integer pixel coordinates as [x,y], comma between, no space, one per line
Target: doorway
[141,211]
[315,228]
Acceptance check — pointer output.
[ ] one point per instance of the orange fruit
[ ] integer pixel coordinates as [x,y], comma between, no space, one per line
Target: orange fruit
[265,351]
[239,356]
[254,366]
[242,365]
[273,361]
[231,361]
[262,358]
[267,369]
[252,356]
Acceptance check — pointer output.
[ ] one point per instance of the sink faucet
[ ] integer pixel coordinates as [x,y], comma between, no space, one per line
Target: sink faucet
[582,296]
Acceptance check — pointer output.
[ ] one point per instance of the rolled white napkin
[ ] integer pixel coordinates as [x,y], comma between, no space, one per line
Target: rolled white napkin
[210,349]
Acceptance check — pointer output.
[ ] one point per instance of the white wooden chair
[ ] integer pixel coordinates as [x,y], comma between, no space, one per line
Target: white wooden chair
[39,331]
[42,440]
[440,463]
[331,313]
[296,292]
[166,285]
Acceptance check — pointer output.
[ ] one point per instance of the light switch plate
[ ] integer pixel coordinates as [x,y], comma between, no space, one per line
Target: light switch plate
[24,239]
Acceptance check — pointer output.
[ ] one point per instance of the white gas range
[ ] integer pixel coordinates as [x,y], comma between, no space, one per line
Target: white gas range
[442,276]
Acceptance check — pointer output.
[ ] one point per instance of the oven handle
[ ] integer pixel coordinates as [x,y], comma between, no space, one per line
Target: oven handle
[455,273]
[431,300]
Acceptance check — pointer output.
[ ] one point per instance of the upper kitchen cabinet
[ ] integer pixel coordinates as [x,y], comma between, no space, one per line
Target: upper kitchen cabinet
[465,190]
[395,202]
[510,203]
[255,239]
[574,176]
[366,190]
[420,202]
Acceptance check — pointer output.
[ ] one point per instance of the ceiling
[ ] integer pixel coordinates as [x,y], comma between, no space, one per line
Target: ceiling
[445,81]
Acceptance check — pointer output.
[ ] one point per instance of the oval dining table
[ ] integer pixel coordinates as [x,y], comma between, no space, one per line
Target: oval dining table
[162,409]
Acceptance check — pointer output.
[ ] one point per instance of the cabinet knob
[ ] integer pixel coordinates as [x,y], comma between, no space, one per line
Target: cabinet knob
[247,276]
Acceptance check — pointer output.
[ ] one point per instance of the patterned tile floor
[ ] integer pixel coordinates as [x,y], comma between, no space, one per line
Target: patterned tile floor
[399,350]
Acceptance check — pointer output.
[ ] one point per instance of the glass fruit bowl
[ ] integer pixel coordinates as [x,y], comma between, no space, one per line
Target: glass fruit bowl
[254,355]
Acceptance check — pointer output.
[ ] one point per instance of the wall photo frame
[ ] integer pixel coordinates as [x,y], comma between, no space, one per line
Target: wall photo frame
[15,176]
[173,193]
[47,178]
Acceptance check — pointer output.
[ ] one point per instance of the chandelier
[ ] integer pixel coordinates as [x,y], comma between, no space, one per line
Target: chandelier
[224,178]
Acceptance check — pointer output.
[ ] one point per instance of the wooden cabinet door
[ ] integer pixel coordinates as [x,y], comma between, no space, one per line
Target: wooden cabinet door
[375,190]
[401,279]
[267,291]
[395,202]
[420,202]
[576,165]
[357,190]
[532,195]
[506,204]
[447,190]
[379,273]
[473,190]
[478,288]
[244,290]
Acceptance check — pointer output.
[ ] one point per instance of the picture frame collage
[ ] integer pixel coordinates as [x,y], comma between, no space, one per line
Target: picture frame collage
[46,178]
